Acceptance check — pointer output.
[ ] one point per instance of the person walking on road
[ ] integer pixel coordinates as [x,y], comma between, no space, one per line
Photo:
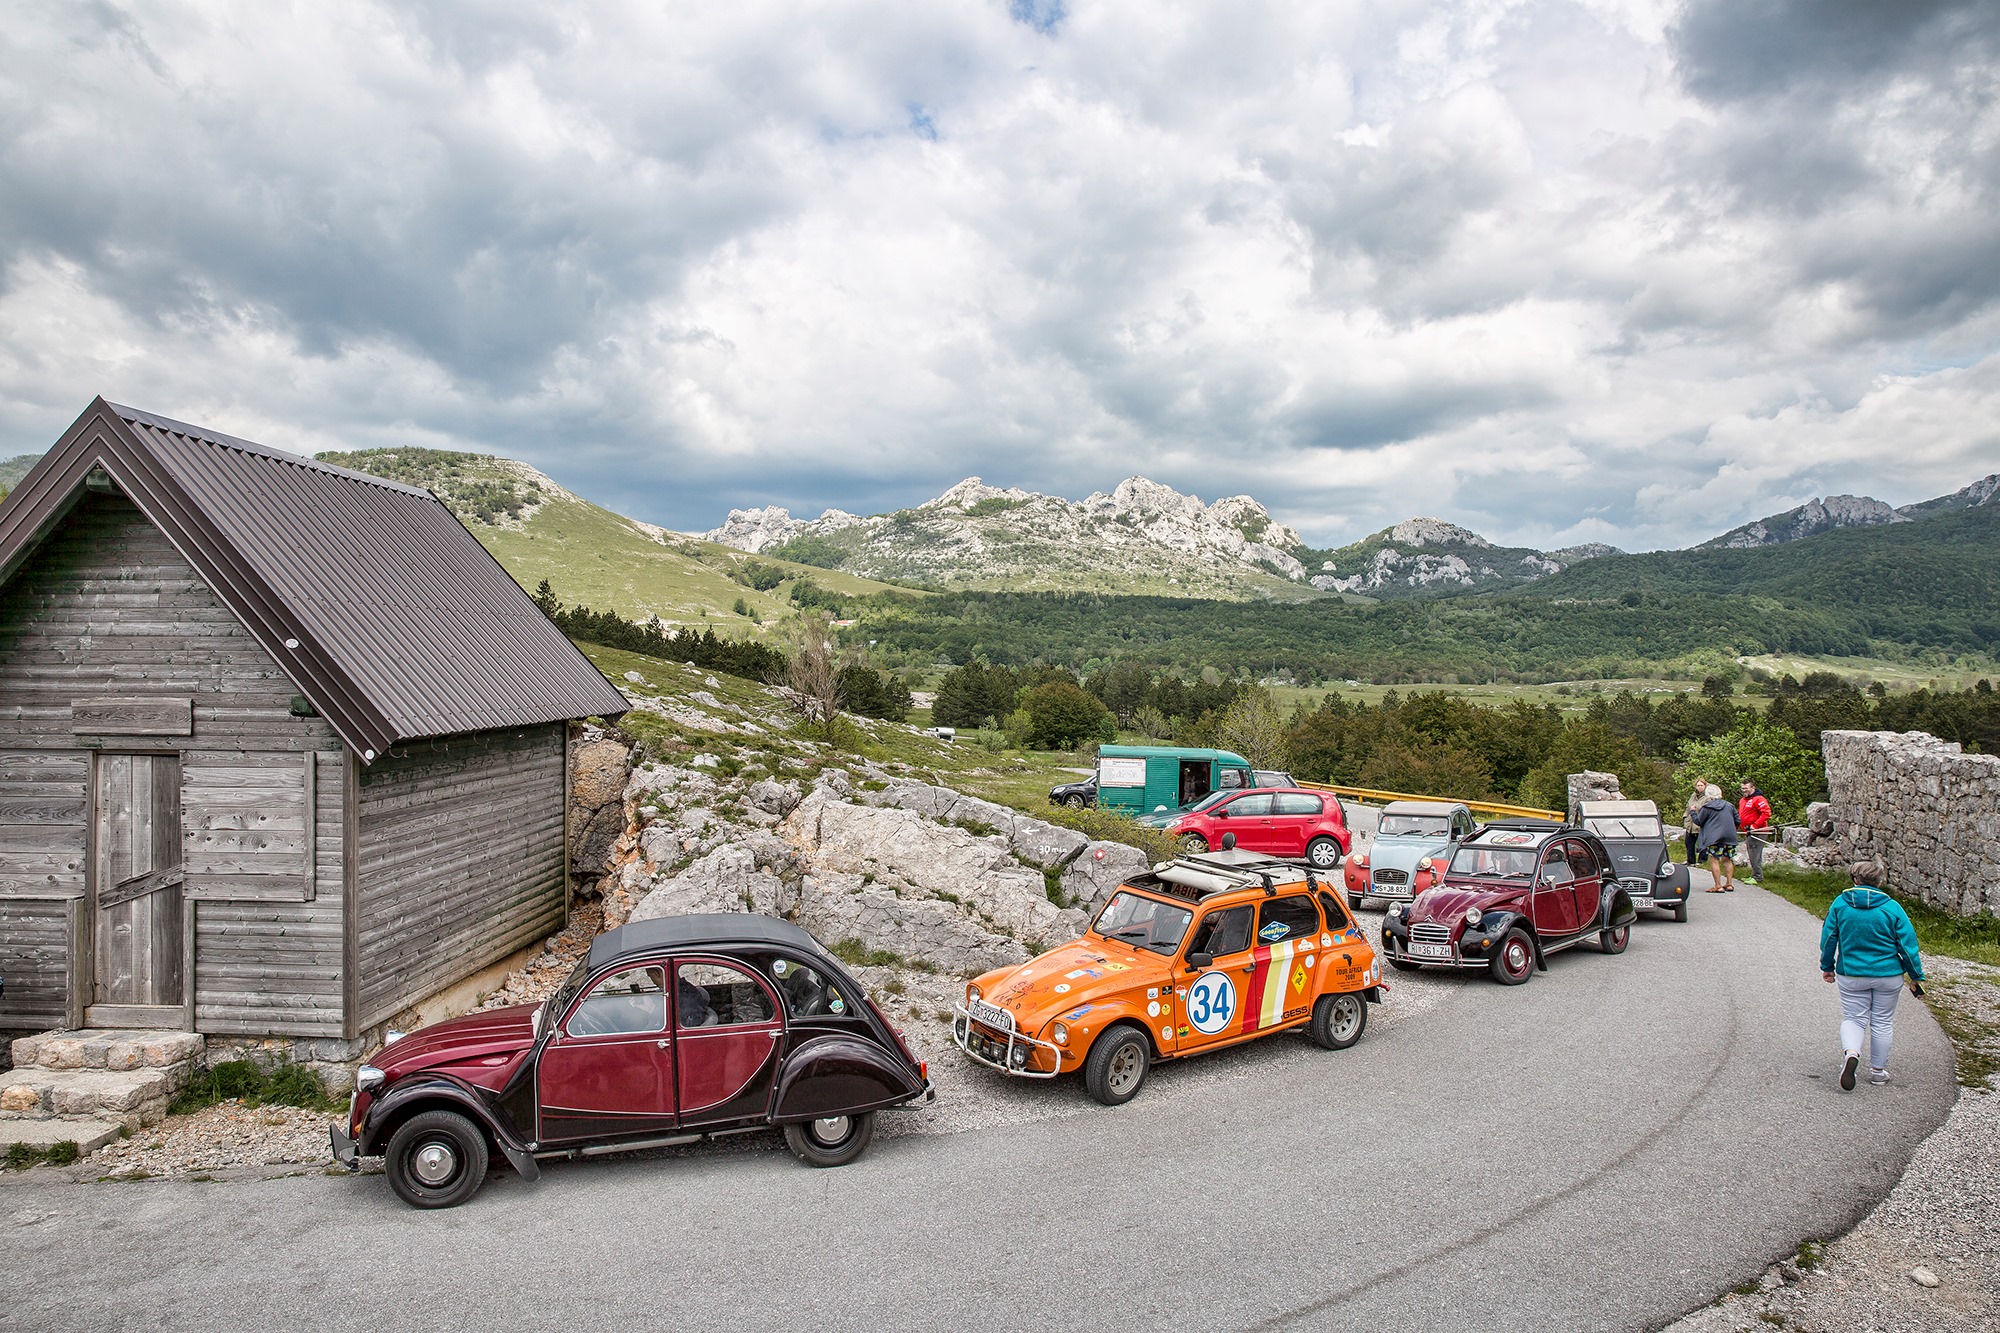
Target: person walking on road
[1867,948]
[1717,821]
[1753,820]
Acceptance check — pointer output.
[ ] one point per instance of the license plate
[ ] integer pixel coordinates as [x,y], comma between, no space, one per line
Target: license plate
[1431,950]
[992,1015]
[1641,900]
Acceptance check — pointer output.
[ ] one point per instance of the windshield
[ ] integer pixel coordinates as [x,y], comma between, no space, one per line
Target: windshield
[1212,799]
[1495,862]
[1144,923]
[1425,826]
[572,986]
[1625,826]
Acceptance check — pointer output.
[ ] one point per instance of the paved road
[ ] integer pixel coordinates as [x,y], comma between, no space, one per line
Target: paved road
[1606,1147]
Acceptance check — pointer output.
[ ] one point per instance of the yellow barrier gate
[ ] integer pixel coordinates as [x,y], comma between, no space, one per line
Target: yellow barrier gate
[1477,807]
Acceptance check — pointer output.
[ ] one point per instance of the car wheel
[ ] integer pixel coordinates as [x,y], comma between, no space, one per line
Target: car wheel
[436,1160]
[1193,842]
[1354,901]
[1514,962]
[1323,853]
[1614,940]
[833,1140]
[1116,1067]
[1680,911]
[1339,1020]
[1073,801]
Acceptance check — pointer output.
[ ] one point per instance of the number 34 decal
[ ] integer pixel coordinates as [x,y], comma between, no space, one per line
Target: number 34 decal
[1210,1003]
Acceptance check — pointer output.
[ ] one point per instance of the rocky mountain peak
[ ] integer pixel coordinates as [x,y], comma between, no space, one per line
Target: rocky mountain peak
[1809,520]
[972,491]
[1434,532]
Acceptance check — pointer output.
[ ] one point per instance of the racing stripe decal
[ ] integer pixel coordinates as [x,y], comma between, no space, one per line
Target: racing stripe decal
[1276,973]
[1253,994]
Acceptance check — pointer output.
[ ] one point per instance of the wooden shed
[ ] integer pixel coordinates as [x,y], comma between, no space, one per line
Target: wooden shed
[282,747]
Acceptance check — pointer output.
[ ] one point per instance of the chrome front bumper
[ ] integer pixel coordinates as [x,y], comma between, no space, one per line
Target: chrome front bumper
[996,1049]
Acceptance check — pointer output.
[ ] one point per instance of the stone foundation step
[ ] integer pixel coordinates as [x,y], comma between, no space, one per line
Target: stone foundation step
[132,1097]
[87,1135]
[107,1048]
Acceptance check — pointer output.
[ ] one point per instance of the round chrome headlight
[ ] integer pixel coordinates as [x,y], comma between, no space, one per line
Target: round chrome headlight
[1472,916]
[1395,909]
[368,1078]
[1059,1034]
[1424,863]
[972,992]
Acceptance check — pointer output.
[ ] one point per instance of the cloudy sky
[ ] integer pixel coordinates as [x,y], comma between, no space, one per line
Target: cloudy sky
[1603,270]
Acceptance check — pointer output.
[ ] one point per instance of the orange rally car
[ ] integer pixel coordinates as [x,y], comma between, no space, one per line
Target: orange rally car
[1200,953]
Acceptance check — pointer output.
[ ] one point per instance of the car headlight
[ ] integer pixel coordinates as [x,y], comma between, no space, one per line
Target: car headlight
[1666,865]
[1424,863]
[1395,909]
[1361,860]
[368,1078]
[1472,916]
[1059,1034]
[973,993]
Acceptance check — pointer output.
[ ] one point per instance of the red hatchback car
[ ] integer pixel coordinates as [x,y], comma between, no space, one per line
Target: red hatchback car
[1282,821]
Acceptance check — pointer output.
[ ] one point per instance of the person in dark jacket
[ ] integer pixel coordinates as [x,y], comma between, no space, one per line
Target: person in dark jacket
[1867,947]
[1717,819]
[1753,821]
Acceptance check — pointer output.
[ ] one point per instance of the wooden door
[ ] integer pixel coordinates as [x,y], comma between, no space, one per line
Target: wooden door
[136,891]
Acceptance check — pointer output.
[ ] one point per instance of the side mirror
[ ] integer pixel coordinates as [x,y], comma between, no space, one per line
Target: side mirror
[1198,961]
[1222,812]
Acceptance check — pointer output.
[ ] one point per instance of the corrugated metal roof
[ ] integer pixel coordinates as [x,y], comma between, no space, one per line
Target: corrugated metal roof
[389,615]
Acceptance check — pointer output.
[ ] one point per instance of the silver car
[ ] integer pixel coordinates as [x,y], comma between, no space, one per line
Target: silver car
[1413,844]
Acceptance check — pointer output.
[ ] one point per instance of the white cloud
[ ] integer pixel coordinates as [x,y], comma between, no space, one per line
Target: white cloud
[1559,271]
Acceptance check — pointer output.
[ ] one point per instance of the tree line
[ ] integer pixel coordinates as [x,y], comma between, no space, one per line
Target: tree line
[857,687]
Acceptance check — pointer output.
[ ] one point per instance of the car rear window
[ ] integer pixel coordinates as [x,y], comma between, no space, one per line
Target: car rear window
[1298,803]
[1293,918]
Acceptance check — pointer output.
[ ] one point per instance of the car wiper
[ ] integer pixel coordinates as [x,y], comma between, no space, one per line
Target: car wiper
[1136,932]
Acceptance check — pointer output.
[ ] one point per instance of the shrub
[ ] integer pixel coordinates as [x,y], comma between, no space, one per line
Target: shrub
[1061,716]
[282,1084]
[1765,753]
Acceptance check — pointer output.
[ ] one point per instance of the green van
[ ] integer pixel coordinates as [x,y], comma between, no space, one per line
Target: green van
[1139,779]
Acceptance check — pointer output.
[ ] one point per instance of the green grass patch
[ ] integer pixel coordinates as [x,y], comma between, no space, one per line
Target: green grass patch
[21,1156]
[282,1084]
[1974,1038]
[856,953]
[1975,939]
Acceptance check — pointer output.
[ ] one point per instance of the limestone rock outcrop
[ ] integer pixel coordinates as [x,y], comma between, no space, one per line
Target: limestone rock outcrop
[1924,809]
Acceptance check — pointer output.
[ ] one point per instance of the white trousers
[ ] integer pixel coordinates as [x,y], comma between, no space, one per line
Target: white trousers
[1868,1008]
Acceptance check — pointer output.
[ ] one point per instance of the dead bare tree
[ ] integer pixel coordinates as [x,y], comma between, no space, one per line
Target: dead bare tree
[814,674]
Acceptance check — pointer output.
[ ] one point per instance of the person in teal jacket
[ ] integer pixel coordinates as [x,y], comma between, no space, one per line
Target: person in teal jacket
[1867,947]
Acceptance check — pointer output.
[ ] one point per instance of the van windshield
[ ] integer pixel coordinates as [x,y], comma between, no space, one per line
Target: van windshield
[1142,922]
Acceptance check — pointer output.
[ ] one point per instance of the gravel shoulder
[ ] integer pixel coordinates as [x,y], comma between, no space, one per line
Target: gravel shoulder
[1927,1258]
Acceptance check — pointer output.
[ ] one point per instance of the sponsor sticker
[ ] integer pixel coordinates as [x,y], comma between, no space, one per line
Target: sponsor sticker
[1153,1009]
[1274,932]
[1299,977]
[1062,988]
[1166,1034]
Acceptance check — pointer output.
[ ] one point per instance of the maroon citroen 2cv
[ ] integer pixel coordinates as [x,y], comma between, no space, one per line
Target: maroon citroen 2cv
[668,1031]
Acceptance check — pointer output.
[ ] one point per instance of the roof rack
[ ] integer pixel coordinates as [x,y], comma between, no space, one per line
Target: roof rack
[1195,878]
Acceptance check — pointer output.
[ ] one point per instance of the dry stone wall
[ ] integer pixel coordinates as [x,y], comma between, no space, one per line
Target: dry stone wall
[1929,813]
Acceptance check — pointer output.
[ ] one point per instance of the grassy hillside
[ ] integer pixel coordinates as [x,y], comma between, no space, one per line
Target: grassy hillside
[1933,583]
[591,556]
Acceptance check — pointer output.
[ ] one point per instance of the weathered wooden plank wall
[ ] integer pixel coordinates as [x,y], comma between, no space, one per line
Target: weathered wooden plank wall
[35,960]
[106,609]
[460,862]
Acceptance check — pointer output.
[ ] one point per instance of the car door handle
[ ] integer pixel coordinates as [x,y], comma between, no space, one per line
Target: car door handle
[662,1044]
[1249,967]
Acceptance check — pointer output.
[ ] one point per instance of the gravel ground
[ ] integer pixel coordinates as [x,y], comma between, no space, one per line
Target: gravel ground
[1927,1259]
[221,1141]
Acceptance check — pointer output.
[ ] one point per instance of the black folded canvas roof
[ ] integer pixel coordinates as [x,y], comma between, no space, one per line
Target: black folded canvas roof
[392,618]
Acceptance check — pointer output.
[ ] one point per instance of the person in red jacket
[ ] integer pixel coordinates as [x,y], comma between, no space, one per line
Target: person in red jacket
[1753,818]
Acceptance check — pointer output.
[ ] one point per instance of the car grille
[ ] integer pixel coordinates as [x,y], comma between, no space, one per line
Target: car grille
[1392,877]
[1636,885]
[1430,932]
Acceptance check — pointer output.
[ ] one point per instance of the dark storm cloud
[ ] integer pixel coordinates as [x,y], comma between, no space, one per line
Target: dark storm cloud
[1750,50]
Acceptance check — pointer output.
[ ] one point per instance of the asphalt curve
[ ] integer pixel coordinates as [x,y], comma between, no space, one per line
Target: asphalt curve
[1607,1147]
